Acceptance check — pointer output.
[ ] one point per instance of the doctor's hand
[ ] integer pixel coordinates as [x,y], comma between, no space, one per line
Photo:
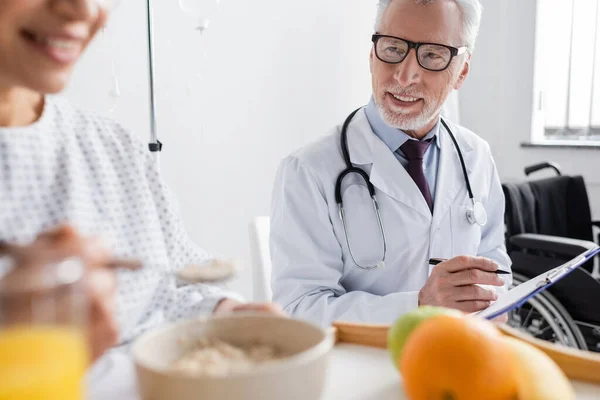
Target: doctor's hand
[453,284]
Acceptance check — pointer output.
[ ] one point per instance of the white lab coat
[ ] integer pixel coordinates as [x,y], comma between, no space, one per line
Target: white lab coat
[313,274]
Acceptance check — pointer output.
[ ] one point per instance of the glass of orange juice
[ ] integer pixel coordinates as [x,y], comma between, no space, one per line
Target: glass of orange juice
[43,349]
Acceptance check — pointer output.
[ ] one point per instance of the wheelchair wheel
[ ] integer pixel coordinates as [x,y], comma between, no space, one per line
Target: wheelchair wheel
[543,317]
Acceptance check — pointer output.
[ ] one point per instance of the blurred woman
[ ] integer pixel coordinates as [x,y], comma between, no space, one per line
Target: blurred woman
[60,164]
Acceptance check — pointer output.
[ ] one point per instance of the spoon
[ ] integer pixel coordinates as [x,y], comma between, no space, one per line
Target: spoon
[216,270]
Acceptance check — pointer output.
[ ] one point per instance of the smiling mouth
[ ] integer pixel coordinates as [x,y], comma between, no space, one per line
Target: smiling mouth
[406,99]
[61,49]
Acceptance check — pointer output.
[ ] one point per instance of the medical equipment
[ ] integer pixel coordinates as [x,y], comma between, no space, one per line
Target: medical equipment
[155,145]
[200,9]
[475,215]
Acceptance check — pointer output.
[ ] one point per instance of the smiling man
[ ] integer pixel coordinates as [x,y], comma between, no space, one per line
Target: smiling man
[357,216]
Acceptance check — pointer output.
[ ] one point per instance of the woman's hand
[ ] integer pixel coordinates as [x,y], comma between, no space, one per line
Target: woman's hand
[99,279]
[227,306]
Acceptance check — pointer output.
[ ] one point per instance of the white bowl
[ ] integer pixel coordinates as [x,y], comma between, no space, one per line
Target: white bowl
[300,376]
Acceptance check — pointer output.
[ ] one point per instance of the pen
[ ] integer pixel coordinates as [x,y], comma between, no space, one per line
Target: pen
[436,261]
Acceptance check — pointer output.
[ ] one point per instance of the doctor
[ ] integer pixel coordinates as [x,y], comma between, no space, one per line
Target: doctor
[433,198]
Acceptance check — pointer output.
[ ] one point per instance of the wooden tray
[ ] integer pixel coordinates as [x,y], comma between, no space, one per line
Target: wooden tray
[578,365]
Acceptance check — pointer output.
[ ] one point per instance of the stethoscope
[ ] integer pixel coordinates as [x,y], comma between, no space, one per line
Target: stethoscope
[475,215]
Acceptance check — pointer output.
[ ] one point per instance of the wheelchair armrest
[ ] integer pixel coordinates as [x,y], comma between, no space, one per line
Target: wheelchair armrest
[552,244]
[536,167]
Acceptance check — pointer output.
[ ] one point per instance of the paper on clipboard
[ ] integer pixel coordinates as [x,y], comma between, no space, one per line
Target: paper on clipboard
[520,294]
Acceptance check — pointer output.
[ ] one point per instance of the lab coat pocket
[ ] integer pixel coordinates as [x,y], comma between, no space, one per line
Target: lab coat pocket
[362,226]
[466,237]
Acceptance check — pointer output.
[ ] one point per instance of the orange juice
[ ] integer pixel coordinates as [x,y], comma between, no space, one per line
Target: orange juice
[39,362]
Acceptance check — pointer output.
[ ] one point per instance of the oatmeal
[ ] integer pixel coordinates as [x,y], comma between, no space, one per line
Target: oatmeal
[218,358]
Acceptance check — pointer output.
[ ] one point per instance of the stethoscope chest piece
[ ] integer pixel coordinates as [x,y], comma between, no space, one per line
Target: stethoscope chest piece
[477,214]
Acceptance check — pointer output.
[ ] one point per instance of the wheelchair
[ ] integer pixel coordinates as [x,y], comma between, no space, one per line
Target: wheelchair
[548,222]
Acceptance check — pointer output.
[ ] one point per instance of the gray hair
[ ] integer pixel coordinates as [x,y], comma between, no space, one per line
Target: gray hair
[471,15]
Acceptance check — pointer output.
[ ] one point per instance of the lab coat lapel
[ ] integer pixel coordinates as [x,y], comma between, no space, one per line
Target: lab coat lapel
[387,174]
[450,178]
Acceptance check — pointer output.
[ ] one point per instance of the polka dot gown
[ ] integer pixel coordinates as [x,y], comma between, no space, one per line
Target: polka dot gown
[75,167]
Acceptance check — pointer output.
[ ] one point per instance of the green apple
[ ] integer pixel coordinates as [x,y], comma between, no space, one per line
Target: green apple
[402,328]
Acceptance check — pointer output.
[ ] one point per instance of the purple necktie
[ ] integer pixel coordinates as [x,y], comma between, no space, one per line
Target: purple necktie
[415,150]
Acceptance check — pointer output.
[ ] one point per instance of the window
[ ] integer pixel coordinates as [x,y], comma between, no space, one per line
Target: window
[567,69]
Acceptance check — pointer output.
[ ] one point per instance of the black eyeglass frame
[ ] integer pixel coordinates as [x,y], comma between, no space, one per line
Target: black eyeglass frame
[454,51]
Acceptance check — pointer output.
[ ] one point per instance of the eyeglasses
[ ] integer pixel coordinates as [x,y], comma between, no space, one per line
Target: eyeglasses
[431,56]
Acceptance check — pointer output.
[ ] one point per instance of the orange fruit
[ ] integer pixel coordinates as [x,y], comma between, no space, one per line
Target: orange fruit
[457,358]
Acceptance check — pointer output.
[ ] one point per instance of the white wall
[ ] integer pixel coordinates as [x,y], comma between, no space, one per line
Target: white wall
[278,75]
[497,99]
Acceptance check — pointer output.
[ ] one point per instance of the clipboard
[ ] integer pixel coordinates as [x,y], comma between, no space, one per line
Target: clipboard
[518,295]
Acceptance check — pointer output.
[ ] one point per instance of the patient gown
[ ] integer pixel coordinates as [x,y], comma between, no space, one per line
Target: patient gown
[76,167]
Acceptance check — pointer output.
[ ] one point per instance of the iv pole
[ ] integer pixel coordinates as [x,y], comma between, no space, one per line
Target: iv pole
[155,145]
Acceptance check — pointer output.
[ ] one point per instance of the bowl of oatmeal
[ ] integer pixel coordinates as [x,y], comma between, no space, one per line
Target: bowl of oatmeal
[245,356]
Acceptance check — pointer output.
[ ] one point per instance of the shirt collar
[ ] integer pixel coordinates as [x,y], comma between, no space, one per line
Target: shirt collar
[394,137]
